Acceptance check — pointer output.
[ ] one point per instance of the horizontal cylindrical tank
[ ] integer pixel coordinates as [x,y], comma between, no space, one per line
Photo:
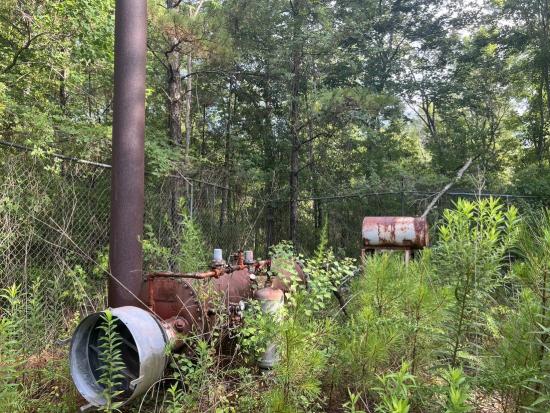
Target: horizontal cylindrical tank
[388,232]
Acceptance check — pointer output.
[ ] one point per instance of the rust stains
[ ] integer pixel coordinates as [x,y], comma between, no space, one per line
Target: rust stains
[395,232]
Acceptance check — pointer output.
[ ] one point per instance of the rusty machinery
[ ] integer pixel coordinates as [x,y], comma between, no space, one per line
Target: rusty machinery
[172,306]
[154,310]
[406,234]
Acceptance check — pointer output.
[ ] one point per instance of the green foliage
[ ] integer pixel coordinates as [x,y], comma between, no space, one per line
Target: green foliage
[458,392]
[155,255]
[190,253]
[513,357]
[326,275]
[111,365]
[258,331]
[395,391]
[193,375]
[526,330]
[11,394]
[301,333]
[372,334]
[350,406]
[395,311]
[296,384]
[469,256]
[193,255]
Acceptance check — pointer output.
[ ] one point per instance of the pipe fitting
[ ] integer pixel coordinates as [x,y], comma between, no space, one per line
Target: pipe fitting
[180,325]
[272,300]
[142,350]
[217,258]
[249,257]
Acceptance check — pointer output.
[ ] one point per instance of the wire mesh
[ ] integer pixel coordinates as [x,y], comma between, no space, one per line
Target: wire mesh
[54,215]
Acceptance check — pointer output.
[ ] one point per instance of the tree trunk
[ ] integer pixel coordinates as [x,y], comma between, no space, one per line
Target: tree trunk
[63,94]
[226,162]
[203,141]
[269,169]
[174,84]
[173,55]
[539,139]
[188,99]
[294,118]
[544,87]
[294,168]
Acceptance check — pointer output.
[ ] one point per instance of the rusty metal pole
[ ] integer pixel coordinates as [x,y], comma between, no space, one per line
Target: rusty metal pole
[127,179]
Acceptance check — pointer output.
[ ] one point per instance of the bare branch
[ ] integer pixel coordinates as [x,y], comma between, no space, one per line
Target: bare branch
[447,187]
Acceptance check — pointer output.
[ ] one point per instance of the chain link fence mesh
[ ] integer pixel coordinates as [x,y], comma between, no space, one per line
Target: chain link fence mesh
[54,215]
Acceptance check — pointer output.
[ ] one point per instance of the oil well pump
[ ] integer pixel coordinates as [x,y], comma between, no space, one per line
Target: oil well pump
[154,310]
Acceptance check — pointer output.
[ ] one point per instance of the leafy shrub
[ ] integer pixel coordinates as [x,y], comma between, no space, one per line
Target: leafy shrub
[469,256]
[111,363]
[518,362]
[395,391]
[193,255]
[11,392]
[395,311]
[189,255]
[458,392]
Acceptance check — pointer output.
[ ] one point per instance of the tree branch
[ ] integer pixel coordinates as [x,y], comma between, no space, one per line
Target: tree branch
[447,187]
[157,57]
[17,55]
[305,167]
[316,136]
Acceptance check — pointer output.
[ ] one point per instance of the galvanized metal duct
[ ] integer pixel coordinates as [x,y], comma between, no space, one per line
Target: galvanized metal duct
[143,352]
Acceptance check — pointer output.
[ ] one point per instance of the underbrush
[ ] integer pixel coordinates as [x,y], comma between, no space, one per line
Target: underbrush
[462,328]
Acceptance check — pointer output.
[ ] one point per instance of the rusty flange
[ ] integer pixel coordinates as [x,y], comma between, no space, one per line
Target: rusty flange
[176,297]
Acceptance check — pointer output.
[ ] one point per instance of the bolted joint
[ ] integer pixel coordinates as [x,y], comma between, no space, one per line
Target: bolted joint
[180,325]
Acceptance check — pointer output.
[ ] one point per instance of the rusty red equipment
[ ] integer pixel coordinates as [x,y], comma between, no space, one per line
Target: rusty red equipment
[152,311]
[395,233]
[172,306]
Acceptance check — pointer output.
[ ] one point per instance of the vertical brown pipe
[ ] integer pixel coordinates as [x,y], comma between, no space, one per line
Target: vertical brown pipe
[127,179]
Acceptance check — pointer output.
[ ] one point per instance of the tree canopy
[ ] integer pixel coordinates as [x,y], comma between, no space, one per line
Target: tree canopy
[295,99]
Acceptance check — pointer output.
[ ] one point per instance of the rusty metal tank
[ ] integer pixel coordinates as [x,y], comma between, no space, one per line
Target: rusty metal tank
[285,271]
[186,299]
[395,232]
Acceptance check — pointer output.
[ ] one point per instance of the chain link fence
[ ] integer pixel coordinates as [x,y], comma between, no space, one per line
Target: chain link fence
[344,213]
[54,215]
